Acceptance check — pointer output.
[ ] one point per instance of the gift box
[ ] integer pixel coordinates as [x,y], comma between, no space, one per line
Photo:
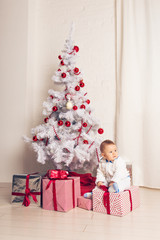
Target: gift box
[60,194]
[26,189]
[118,204]
[85,203]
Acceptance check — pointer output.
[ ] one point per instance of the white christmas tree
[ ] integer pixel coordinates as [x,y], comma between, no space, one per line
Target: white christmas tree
[68,134]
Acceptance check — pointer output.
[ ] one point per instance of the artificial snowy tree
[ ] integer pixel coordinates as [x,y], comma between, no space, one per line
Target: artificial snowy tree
[68,134]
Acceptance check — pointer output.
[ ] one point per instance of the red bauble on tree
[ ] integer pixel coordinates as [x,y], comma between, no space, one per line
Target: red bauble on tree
[75,108]
[46,119]
[85,142]
[82,84]
[63,75]
[76,70]
[76,48]
[77,88]
[35,138]
[100,131]
[62,63]
[67,123]
[84,124]
[60,122]
[88,101]
[51,96]
[82,106]
[54,108]
[60,57]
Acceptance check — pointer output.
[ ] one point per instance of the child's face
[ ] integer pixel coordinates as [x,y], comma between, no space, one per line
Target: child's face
[110,152]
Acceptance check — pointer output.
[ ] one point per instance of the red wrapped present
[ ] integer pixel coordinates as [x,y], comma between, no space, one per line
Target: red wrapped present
[60,194]
[26,189]
[85,203]
[118,204]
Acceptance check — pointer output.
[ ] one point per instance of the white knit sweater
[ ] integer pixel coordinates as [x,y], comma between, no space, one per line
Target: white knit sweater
[111,171]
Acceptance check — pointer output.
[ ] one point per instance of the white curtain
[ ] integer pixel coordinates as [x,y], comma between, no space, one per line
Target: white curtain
[138,87]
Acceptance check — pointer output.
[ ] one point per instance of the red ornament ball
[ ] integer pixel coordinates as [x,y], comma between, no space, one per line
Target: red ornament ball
[60,57]
[75,108]
[82,84]
[54,108]
[46,119]
[85,142]
[88,101]
[84,124]
[81,80]
[77,88]
[35,138]
[62,63]
[67,123]
[76,70]
[63,75]
[82,106]
[59,69]
[76,48]
[100,131]
[60,122]
[51,96]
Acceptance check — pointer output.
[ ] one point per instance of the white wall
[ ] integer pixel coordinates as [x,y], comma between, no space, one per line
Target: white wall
[34,33]
[13,61]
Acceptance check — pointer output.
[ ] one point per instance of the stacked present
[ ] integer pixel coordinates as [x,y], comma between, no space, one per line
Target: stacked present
[59,192]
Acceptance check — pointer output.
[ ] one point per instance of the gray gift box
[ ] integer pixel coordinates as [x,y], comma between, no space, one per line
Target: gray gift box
[19,188]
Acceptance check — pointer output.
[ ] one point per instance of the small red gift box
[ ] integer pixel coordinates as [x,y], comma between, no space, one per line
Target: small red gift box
[26,189]
[85,203]
[60,194]
[118,204]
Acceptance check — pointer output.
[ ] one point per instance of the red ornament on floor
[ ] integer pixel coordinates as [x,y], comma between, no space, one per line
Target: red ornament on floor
[67,123]
[100,131]
[54,108]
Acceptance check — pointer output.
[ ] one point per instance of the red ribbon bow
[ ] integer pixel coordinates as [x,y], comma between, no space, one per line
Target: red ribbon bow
[26,201]
[57,174]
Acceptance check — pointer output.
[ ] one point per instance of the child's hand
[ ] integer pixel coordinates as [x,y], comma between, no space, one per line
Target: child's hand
[99,184]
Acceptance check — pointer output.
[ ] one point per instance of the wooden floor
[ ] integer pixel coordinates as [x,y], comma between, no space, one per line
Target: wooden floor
[27,223]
